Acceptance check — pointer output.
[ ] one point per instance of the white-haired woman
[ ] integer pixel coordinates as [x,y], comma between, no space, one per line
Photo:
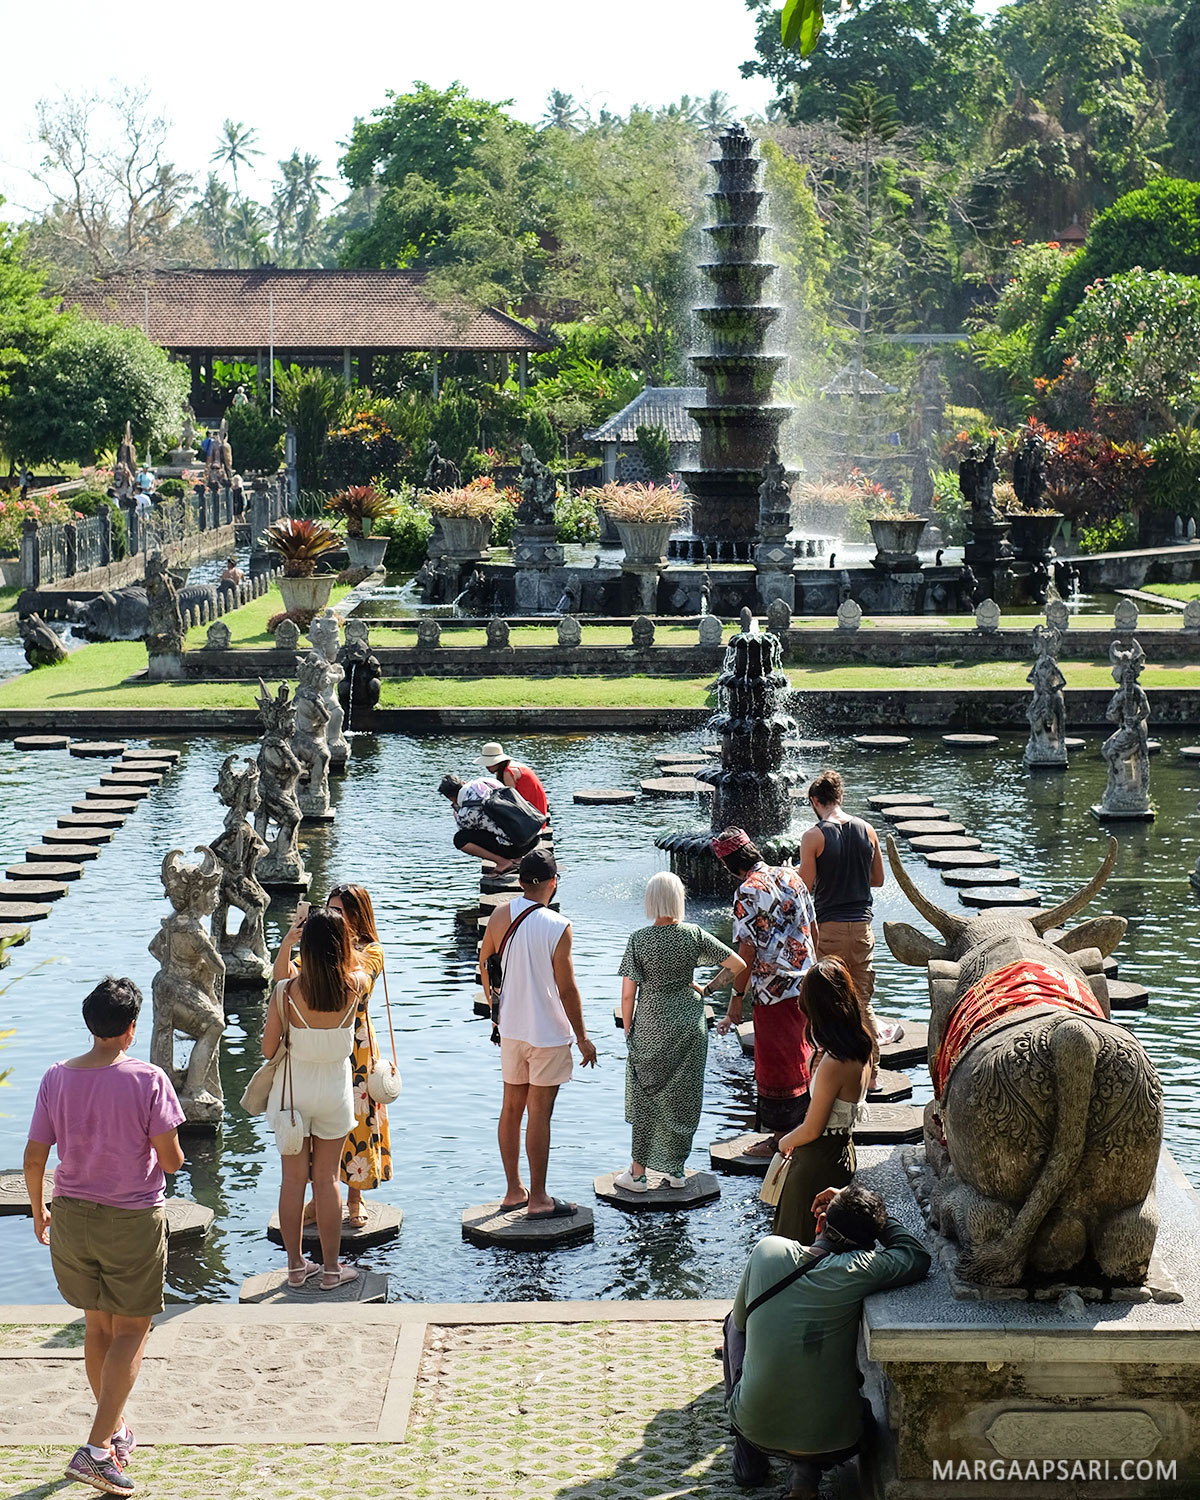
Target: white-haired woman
[666,1034]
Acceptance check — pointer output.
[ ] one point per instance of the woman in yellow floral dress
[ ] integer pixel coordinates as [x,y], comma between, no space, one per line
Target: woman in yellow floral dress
[367,1154]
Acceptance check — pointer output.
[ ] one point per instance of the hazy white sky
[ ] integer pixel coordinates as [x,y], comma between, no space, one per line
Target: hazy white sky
[301,72]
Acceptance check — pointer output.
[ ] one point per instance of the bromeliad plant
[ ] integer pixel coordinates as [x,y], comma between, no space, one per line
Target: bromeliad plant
[359,505]
[301,544]
[639,504]
[478,501]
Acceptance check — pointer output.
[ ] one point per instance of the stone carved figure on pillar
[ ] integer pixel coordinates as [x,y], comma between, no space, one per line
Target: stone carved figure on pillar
[1047,711]
[308,737]
[774,493]
[440,473]
[323,633]
[358,690]
[187,443]
[189,988]
[278,807]
[539,490]
[164,623]
[239,850]
[1029,470]
[977,476]
[1126,751]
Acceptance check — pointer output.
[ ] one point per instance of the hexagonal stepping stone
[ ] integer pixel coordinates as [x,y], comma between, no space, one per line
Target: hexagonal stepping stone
[685,767]
[105,805]
[674,757]
[91,819]
[702,1187]
[272,1286]
[891,1088]
[14,934]
[383,1224]
[710,750]
[880,800]
[970,741]
[44,871]
[962,859]
[32,890]
[888,1124]
[1127,994]
[41,742]
[910,1047]
[745,1035]
[82,834]
[186,1220]
[882,741]
[1073,743]
[1190,752]
[73,854]
[489,1224]
[929,843]
[1153,746]
[17,913]
[153,752]
[675,786]
[157,768]
[97,749]
[122,792]
[730,1156]
[906,812]
[808,747]
[998,895]
[914,827]
[981,877]
[597,796]
[121,779]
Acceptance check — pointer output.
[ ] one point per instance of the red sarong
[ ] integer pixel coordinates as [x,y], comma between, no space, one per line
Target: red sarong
[782,1050]
[1014,987]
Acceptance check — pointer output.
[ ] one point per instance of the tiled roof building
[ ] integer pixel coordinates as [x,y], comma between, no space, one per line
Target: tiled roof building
[657,406]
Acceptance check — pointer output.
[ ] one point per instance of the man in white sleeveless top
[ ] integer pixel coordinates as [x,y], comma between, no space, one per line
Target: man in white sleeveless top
[540,1009]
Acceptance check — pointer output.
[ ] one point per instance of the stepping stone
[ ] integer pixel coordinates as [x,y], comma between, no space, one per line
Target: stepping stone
[685,767]
[1127,994]
[13,935]
[912,1047]
[702,1187]
[92,820]
[970,741]
[675,786]
[913,828]
[41,742]
[882,741]
[187,1221]
[19,912]
[745,1035]
[714,750]
[31,890]
[593,796]
[888,1124]
[272,1286]
[44,871]
[929,843]
[729,1156]
[383,1224]
[155,752]
[808,747]
[998,895]
[906,812]
[488,1224]
[105,805]
[130,778]
[97,749]
[881,800]
[1190,752]
[892,1088]
[962,859]
[1071,743]
[673,757]
[83,834]
[61,853]
[981,877]
[121,791]
[1153,746]
[157,768]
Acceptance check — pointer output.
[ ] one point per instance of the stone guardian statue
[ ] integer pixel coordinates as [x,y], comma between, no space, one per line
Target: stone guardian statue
[1126,751]
[323,633]
[308,739]
[1047,711]
[164,623]
[239,849]
[278,808]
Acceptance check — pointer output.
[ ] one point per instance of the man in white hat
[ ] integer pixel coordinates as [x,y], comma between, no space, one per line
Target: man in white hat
[512,773]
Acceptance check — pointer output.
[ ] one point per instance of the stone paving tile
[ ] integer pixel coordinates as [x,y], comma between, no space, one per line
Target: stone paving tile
[33,1337]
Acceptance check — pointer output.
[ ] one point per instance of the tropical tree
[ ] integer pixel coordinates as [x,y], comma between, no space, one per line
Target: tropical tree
[715,112]
[562,112]
[28,323]
[236,148]
[212,213]
[296,209]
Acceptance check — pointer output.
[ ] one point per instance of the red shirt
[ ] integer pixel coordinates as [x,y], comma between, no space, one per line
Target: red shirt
[527,783]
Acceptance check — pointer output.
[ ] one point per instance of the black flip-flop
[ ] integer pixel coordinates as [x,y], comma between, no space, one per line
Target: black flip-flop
[560,1210]
[515,1208]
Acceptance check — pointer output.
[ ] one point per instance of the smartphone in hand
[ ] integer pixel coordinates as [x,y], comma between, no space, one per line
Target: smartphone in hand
[302,910]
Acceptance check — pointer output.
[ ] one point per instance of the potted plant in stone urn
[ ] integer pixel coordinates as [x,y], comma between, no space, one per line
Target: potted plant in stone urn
[644,515]
[466,516]
[360,506]
[897,535]
[301,544]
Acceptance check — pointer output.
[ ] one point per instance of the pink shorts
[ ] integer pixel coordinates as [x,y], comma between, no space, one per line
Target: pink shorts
[543,1067]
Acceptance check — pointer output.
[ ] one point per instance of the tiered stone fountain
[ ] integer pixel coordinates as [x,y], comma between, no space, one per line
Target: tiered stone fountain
[751,790]
[739,424]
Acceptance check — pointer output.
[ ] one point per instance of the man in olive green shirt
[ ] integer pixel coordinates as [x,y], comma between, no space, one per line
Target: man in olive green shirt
[791,1375]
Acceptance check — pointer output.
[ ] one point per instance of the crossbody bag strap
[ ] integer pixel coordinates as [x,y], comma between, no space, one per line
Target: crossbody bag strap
[387,1005]
[814,1259]
[497,992]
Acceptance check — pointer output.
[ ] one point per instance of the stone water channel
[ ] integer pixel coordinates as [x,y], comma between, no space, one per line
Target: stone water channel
[393,833]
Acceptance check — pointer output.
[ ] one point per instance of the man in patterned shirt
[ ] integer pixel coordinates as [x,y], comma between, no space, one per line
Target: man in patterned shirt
[775,931]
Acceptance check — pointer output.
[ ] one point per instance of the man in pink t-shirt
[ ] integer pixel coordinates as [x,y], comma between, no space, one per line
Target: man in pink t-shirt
[115,1123]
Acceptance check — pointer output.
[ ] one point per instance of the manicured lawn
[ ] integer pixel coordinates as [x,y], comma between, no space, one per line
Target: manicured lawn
[8,600]
[1174,590]
[547,692]
[248,625]
[976,675]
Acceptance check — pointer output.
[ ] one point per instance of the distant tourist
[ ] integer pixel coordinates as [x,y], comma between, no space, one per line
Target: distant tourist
[773,926]
[512,773]
[791,1341]
[822,1146]
[666,1036]
[312,1013]
[536,1009]
[480,832]
[114,1121]
[232,575]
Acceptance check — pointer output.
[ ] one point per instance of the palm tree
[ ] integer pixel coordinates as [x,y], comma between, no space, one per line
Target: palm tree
[236,148]
[715,112]
[248,233]
[562,113]
[212,210]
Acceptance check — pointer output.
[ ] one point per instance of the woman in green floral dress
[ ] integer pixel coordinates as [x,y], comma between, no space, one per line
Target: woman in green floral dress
[666,1033]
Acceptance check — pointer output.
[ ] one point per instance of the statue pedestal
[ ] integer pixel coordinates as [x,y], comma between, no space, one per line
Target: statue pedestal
[643,586]
[1012,1383]
[167,666]
[537,558]
[1103,813]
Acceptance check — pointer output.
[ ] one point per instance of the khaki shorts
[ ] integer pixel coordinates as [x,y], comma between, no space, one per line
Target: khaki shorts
[107,1259]
[543,1067]
[854,944]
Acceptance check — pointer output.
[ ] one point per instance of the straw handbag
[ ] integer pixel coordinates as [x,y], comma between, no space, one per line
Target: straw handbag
[383,1081]
[772,1188]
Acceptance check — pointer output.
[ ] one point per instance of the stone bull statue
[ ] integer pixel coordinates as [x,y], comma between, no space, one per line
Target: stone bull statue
[123,614]
[1043,1137]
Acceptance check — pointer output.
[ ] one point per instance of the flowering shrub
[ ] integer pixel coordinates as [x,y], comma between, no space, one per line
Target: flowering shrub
[362,450]
[47,510]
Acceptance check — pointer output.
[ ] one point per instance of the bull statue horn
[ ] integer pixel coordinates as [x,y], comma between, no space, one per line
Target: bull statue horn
[946,923]
[1045,920]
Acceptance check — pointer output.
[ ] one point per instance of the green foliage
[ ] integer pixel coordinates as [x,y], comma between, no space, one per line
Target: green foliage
[575,519]
[74,401]
[92,502]
[312,401]
[256,438]
[1112,535]
[800,24]
[540,434]
[1183,96]
[362,452]
[28,321]
[948,506]
[1003,345]
[455,423]
[799,245]
[1173,479]
[173,489]
[654,448]
[408,528]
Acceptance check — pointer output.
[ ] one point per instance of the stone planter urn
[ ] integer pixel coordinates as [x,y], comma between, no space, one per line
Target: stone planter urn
[10,572]
[645,541]
[366,551]
[306,593]
[1031,536]
[467,537]
[896,543]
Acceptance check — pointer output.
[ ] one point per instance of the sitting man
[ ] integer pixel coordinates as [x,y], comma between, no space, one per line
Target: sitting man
[791,1381]
[478,834]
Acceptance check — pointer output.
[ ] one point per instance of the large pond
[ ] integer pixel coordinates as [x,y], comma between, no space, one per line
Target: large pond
[393,833]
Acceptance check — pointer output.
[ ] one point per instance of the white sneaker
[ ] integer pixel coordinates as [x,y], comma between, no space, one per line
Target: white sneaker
[630,1183]
[674,1182]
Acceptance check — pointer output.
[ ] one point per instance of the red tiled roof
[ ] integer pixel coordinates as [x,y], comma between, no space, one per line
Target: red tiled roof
[315,309]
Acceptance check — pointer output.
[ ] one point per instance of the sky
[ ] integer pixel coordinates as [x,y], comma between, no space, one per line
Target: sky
[301,72]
